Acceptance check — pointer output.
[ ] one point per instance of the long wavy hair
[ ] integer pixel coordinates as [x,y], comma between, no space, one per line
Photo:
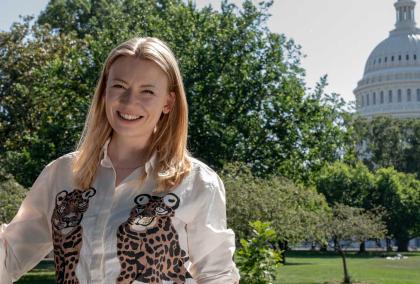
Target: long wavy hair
[169,141]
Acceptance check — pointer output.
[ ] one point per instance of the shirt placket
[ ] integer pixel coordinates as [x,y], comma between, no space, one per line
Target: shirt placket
[107,184]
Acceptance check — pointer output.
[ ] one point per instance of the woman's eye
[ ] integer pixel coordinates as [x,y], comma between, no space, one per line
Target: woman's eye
[118,86]
[148,92]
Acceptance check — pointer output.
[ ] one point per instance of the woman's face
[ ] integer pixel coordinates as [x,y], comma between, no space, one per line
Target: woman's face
[136,96]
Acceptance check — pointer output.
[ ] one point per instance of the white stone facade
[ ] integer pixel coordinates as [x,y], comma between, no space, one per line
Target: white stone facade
[391,79]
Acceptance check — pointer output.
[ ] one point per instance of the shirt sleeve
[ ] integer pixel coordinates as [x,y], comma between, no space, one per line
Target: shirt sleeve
[26,240]
[211,245]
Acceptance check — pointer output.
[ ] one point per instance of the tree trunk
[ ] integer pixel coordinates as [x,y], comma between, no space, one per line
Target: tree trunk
[283,246]
[402,244]
[346,273]
[388,244]
[362,247]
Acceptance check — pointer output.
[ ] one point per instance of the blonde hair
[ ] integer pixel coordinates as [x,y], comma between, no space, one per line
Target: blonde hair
[168,142]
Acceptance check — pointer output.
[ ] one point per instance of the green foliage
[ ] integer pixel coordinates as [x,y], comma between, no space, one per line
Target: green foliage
[256,259]
[354,224]
[389,142]
[295,212]
[11,196]
[245,86]
[399,194]
[346,184]
[44,97]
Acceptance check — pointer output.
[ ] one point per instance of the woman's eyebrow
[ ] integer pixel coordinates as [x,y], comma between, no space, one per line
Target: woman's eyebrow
[147,86]
[121,80]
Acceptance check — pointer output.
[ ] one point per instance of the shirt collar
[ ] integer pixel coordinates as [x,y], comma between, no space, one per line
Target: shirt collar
[107,163]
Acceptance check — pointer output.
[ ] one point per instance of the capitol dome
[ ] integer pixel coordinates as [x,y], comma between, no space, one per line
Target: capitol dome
[391,79]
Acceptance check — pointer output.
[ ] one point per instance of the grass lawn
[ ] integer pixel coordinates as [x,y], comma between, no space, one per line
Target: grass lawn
[43,273]
[311,268]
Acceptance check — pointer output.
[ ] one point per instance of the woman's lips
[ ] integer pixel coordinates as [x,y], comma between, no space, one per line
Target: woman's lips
[128,117]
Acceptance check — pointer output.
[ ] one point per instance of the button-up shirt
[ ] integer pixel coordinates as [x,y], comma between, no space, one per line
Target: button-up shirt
[123,234]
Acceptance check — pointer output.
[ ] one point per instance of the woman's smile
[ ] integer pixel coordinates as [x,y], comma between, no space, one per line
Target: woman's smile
[129,117]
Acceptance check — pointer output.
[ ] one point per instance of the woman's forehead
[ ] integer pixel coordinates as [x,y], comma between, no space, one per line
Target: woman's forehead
[130,69]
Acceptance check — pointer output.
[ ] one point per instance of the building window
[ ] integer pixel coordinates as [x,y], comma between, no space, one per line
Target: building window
[374,61]
[415,56]
[407,57]
[367,100]
[363,101]
[390,96]
[399,95]
[399,57]
[392,58]
[374,98]
[382,97]
[386,59]
[408,95]
[418,95]
[379,60]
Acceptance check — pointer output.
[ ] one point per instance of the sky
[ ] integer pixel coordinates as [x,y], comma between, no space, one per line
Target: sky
[336,36]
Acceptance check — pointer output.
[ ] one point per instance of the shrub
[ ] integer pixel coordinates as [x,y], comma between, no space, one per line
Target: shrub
[257,259]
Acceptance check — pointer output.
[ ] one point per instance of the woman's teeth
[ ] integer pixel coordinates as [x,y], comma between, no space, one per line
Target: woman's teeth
[128,116]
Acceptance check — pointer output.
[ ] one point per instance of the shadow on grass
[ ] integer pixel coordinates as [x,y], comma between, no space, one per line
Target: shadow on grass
[349,254]
[298,263]
[45,265]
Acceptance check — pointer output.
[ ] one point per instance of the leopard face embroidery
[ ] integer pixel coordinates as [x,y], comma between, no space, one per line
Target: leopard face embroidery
[148,245]
[67,232]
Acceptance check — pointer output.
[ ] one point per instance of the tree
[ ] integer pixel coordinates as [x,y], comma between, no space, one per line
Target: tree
[352,224]
[346,184]
[245,86]
[389,142]
[44,97]
[399,194]
[295,212]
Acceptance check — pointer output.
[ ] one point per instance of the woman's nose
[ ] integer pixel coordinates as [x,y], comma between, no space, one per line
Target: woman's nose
[129,96]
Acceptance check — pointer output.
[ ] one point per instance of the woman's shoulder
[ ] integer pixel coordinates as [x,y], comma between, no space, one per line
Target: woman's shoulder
[62,161]
[198,165]
[203,172]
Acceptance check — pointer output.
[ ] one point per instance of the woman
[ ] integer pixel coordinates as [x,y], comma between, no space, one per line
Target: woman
[129,205]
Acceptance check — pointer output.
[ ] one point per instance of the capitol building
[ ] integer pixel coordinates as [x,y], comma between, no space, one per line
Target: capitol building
[391,78]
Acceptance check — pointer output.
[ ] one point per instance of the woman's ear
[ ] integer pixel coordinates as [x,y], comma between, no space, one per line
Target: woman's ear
[170,102]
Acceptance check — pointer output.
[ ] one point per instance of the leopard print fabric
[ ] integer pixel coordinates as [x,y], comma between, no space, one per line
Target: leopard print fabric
[148,244]
[67,232]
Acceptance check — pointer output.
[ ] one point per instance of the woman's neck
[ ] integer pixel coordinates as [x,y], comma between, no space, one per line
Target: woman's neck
[126,153]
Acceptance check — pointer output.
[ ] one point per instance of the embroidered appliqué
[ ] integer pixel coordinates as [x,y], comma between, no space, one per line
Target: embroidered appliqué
[67,232]
[148,245]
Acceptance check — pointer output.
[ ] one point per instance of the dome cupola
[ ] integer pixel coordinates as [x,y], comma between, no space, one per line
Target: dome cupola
[405,16]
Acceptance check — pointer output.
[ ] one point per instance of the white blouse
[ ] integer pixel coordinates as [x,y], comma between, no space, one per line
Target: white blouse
[123,234]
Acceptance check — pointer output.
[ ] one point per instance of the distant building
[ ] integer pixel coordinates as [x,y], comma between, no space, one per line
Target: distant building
[391,79]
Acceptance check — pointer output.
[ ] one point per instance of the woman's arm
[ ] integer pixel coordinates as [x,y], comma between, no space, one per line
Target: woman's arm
[211,244]
[26,240]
